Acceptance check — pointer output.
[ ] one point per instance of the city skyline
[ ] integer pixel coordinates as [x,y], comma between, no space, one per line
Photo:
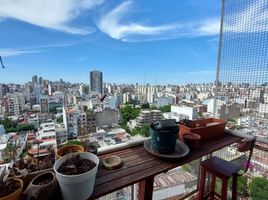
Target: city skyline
[129,41]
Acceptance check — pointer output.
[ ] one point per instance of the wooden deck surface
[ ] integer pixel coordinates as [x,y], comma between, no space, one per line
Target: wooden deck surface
[139,165]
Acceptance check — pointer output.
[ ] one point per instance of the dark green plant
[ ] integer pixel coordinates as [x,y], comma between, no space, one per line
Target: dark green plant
[165,108]
[72,142]
[144,130]
[259,188]
[25,127]
[59,119]
[128,112]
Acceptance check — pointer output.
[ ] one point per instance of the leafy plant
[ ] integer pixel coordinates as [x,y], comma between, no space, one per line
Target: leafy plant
[144,130]
[259,188]
[72,142]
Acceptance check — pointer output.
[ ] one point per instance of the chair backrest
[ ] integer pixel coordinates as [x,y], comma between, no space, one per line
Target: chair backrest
[244,146]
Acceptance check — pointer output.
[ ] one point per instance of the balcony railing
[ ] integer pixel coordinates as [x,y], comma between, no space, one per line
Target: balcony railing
[179,180]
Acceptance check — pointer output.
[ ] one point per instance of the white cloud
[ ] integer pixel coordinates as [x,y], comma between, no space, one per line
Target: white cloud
[16,52]
[52,14]
[252,19]
[111,24]
[209,27]
[37,48]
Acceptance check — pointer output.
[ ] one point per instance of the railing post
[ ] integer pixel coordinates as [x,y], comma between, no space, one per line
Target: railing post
[146,188]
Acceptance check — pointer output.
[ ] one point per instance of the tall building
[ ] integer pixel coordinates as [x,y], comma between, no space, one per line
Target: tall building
[70,119]
[44,104]
[37,92]
[16,104]
[86,123]
[96,82]
[35,79]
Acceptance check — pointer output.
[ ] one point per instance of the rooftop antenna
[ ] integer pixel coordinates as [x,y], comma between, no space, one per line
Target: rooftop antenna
[2,62]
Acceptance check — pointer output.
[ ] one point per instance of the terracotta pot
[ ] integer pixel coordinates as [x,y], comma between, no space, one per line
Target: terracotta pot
[45,191]
[191,139]
[206,128]
[15,195]
[74,148]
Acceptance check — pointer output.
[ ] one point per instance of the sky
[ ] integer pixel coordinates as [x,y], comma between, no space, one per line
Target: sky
[130,41]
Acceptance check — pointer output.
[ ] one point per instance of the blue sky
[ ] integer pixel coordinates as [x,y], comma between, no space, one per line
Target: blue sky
[156,42]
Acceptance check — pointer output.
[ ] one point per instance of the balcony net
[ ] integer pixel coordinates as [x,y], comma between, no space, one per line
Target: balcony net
[242,85]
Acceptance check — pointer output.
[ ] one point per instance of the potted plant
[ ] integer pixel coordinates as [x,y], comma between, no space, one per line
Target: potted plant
[32,164]
[164,136]
[206,128]
[10,189]
[76,174]
[68,149]
[42,187]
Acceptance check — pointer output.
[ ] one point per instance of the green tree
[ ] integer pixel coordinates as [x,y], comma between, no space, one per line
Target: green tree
[25,127]
[144,130]
[59,119]
[9,130]
[200,114]
[10,150]
[145,106]
[8,123]
[259,188]
[127,113]
[153,107]
[166,108]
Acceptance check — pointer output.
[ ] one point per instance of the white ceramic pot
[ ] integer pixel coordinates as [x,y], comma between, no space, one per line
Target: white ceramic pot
[78,187]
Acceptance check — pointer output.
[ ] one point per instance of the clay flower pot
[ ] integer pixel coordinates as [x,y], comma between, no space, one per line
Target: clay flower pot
[68,149]
[16,194]
[206,128]
[191,139]
[42,187]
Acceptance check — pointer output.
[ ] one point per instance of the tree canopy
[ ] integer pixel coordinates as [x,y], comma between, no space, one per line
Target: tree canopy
[144,130]
[128,112]
[259,188]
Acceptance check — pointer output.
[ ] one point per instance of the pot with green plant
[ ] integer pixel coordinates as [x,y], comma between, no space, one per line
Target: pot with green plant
[76,175]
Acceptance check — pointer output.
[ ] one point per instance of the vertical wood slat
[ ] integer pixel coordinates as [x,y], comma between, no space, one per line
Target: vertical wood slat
[146,188]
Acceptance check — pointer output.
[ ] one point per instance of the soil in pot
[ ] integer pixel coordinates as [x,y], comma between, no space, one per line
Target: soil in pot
[76,165]
[9,187]
[43,180]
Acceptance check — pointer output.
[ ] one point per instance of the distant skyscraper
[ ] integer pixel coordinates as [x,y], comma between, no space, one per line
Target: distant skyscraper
[40,80]
[35,79]
[96,81]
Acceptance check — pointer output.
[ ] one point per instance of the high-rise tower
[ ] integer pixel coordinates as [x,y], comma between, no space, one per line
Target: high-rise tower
[95,81]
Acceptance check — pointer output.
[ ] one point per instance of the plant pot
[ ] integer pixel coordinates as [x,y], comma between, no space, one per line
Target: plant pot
[68,149]
[78,187]
[42,187]
[191,139]
[206,128]
[164,135]
[16,194]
